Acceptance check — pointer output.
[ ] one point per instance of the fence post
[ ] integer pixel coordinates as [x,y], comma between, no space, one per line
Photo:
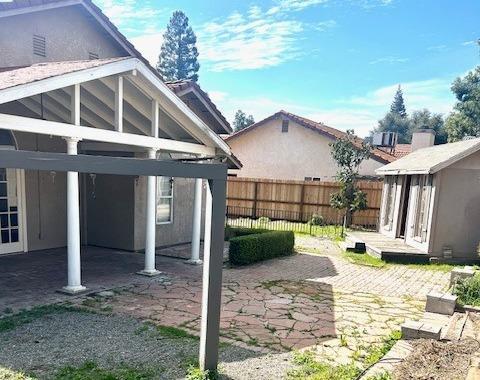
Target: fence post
[255,192]
[302,201]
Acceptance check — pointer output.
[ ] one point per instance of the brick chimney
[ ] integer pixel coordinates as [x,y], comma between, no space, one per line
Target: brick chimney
[423,138]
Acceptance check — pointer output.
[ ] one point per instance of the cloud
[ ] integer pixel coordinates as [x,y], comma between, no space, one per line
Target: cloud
[322,26]
[252,40]
[472,42]
[149,45]
[217,96]
[132,16]
[439,48]
[389,60]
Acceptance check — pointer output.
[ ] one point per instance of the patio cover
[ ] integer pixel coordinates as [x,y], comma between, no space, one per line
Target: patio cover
[432,159]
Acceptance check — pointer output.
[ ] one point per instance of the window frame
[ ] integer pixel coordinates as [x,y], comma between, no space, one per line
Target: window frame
[170,197]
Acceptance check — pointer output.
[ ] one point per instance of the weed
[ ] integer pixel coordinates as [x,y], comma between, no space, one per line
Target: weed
[343,341]
[376,352]
[91,371]
[174,332]
[468,290]
[195,373]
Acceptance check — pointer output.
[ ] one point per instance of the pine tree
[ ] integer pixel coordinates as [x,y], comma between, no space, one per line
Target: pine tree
[398,105]
[178,55]
[242,121]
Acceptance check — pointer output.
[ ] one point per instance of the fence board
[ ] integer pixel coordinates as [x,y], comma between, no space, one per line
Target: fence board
[254,197]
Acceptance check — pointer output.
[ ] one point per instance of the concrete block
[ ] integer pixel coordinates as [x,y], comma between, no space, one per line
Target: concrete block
[428,331]
[441,303]
[410,329]
[461,274]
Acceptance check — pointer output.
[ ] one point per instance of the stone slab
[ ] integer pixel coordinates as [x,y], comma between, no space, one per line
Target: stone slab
[441,303]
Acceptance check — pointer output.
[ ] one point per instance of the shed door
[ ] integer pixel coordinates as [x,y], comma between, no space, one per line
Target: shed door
[419,227]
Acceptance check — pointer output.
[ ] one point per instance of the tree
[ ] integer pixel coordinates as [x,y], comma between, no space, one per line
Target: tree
[242,121]
[178,55]
[396,120]
[398,104]
[465,119]
[349,152]
[424,119]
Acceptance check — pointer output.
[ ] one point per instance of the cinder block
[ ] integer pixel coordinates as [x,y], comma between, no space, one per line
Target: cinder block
[461,274]
[441,303]
[410,329]
[428,331]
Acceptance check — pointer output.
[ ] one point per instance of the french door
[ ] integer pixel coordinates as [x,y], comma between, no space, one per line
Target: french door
[11,229]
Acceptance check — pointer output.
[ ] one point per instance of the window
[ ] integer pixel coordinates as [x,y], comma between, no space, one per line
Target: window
[308,178]
[422,206]
[389,205]
[164,200]
[39,45]
[284,126]
[92,55]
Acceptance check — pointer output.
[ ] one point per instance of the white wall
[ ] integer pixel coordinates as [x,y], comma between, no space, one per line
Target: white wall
[266,152]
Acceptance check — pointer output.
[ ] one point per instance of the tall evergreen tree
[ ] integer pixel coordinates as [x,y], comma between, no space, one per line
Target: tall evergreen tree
[398,104]
[242,121]
[178,55]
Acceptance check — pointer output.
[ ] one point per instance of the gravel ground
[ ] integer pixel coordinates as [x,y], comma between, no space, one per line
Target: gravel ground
[54,341]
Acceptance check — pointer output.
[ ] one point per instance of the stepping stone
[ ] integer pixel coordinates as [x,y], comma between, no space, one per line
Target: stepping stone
[441,303]
[420,330]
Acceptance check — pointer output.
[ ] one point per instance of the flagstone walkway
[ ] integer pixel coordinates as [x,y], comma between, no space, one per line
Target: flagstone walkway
[290,303]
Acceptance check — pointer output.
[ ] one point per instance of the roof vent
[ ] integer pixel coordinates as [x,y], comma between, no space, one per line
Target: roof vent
[92,55]
[39,45]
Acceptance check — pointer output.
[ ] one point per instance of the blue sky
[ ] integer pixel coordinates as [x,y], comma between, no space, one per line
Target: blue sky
[335,61]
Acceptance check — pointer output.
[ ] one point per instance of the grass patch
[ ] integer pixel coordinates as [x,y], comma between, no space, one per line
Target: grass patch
[174,332]
[8,374]
[13,321]
[376,352]
[91,371]
[468,290]
[195,373]
[364,259]
[311,369]
[432,266]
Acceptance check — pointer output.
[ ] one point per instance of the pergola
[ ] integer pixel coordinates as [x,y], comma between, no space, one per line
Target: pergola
[120,104]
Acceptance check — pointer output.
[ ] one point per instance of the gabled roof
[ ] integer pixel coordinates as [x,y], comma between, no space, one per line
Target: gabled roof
[321,128]
[432,159]
[194,96]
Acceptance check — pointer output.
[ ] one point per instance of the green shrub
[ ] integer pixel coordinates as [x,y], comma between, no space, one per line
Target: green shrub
[316,220]
[468,290]
[249,249]
[231,232]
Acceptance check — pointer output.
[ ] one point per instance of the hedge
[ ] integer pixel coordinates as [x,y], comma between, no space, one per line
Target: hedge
[250,248]
[231,232]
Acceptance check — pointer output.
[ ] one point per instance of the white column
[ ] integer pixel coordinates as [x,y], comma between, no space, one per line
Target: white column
[197,221]
[150,223]
[73,226]
[208,221]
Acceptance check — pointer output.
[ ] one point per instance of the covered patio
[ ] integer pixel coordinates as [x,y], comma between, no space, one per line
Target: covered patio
[71,124]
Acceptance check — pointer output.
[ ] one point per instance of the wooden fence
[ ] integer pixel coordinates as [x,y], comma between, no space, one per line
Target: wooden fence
[298,200]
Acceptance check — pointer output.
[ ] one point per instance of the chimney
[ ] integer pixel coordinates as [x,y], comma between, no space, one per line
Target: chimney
[423,138]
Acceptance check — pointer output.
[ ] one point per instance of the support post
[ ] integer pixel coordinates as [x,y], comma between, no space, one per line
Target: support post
[119,104]
[150,224]
[197,221]
[212,277]
[74,284]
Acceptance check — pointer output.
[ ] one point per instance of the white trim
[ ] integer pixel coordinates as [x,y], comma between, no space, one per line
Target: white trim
[25,124]
[155,116]
[75,105]
[119,104]
[23,198]
[37,8]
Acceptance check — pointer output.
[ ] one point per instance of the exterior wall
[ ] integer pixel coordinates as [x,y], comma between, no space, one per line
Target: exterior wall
[180,230]
[69,34]
[266,152]
[457,218]
[45,197]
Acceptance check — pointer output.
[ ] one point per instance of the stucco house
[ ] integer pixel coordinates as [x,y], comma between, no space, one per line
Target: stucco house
[290,147]
[431,204]
[95,149]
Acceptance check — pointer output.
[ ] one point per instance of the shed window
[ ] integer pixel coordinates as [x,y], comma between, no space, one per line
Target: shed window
[389,205]
[284,126]
[39,45]
[164,200]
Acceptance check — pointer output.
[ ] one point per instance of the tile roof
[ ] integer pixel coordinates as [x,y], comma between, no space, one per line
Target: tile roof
[333,133]
[11,77]
[432,159]
[181,85]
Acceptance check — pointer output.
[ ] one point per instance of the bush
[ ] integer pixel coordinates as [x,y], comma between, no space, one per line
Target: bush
[249,249]
[231,232]
[263,219]
[316,220]
[468,290]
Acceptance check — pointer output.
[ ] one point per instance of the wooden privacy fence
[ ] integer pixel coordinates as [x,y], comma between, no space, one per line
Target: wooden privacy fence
[296,200]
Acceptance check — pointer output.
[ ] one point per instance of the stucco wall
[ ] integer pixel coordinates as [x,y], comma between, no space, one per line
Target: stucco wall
[266,152]
[457,218]
[69,34]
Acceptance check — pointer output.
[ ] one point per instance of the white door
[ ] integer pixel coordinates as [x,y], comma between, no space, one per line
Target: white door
[11,232]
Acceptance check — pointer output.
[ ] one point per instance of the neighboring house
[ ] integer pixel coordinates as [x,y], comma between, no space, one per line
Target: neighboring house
[289,147]
[431,201]
[421,138]
[63,61]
